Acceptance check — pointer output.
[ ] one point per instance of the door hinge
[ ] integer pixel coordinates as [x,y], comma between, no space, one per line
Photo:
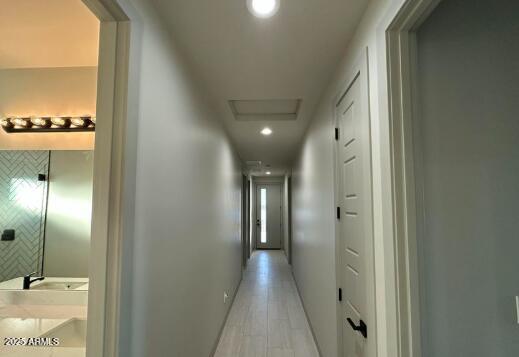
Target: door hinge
[336,133]
[340,294]
[338,213]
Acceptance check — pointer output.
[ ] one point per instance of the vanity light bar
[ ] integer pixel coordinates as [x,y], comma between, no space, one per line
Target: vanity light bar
[48,124]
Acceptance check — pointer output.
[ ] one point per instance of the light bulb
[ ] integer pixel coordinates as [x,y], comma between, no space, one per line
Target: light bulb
[266,131]
[40,122]
[79,122]
[263,8]
[6,123]
[59,121]
[21,122]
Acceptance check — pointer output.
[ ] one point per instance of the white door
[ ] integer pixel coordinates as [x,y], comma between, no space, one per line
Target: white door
[268,216]
[356,238]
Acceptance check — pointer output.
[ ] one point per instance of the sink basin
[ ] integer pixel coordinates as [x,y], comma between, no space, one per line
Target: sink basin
[71,333]
[57,285]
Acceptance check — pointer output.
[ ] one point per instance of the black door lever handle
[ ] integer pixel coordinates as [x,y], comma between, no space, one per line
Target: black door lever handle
[362,328]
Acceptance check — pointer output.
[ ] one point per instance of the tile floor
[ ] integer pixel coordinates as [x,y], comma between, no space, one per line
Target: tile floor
[267,318]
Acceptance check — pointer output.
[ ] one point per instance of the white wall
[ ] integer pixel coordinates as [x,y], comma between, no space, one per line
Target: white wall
[69,214]
[468,87]
[186,241]
[313,211]
[47,91]
[313,239]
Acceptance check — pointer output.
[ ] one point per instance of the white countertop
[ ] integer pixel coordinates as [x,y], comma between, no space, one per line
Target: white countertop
[17,283]
[33,327]
[38,317]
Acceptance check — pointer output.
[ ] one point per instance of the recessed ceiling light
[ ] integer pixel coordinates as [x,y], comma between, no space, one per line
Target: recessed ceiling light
[268,172]
[263,8]
[266,131]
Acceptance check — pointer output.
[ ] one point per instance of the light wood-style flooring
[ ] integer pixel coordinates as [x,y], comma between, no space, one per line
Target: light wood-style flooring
[267,318]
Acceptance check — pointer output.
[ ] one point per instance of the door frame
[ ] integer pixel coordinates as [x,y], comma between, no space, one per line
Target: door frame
[244,220]
[358,71]
[289,219]
[106,247]
[260,181]
[400,40]
[249,218]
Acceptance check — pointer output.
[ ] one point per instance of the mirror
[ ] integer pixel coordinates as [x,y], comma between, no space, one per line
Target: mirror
[45,218]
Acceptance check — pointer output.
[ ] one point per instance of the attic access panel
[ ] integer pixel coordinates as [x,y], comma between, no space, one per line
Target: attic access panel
[265,109]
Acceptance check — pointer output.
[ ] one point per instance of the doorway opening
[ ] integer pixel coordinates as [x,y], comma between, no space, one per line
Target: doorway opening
[62,137]
[455,171]
[49,65]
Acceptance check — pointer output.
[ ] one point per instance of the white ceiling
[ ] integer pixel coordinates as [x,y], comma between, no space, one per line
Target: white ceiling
[239,57]
[47,33]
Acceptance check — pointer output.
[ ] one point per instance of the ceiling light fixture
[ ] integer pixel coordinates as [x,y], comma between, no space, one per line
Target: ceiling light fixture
[263,8]
[268,172]
[42,124]
[266,131]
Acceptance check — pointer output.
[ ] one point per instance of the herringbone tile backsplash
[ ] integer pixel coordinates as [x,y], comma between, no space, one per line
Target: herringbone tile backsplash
[22,208]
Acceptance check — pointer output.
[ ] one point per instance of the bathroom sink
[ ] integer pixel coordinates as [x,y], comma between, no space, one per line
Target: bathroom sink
[71,333]
[57,285]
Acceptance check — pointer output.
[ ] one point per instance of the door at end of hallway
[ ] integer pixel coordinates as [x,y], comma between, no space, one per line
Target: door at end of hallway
[269,223]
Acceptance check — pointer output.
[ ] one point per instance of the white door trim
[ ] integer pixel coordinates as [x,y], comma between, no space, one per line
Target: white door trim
[107,233]
[359,71]
[401,66]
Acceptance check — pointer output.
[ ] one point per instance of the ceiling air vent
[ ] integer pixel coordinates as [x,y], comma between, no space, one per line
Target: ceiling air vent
[254,166]
[270,109]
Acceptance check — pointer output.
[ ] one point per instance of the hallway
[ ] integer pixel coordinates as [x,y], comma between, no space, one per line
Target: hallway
[267,318]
